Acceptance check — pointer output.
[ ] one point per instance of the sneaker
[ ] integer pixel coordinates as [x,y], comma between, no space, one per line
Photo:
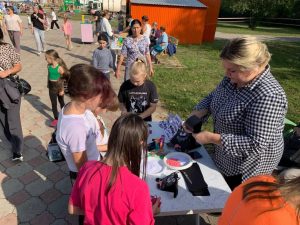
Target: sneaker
[53,123]
[39,53]
[17,156]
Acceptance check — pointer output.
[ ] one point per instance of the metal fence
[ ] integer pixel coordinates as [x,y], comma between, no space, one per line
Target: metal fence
[265,21]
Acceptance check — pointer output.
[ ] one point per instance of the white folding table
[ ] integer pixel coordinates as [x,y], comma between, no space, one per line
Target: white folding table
[185,203]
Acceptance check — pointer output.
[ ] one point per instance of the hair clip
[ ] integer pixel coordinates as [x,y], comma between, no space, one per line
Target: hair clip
[139,60]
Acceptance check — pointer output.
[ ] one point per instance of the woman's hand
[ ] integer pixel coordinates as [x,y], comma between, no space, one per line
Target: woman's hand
[206,137]
[4,73]
[61,93]
[117,73]
[151,71]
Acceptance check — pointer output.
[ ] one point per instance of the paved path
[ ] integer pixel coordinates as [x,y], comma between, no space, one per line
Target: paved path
[36,191]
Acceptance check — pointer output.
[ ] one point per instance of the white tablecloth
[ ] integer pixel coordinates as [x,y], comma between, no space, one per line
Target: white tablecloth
[185,202]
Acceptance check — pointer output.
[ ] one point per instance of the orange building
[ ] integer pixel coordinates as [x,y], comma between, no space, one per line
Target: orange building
[187,20]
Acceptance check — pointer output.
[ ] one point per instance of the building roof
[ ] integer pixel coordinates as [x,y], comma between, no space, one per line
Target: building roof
[182,3]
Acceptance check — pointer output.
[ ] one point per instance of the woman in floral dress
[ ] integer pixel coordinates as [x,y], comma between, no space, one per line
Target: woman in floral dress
[134,46]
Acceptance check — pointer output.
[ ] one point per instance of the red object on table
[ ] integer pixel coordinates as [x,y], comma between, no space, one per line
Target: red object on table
[173,162]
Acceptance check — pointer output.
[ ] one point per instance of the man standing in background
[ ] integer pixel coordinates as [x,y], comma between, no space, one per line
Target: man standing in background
[97,19]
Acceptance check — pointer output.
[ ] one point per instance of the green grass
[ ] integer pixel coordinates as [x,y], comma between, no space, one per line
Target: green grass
[241,28]
[181,89]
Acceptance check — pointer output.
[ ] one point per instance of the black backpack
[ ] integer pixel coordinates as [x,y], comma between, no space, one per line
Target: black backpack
[291,153]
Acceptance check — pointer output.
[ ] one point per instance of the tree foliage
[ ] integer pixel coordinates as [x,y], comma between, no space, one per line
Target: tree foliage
[259,8]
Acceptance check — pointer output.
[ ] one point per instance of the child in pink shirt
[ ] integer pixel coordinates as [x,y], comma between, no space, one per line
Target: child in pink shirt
[67,29]
[110,192]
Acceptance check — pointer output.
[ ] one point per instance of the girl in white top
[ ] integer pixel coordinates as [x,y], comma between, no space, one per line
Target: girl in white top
[78,132]
[146,28]
[105,25]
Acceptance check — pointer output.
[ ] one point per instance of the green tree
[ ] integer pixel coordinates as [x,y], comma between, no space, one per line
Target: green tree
[259,9]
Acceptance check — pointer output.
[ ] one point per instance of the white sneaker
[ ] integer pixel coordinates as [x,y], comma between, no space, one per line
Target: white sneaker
[39,53]
[17,157]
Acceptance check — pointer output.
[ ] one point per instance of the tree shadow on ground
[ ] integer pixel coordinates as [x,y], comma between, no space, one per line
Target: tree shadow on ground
[28,49]
[34,190]
[55,45]
[39,106]
[77,40]
[88,60]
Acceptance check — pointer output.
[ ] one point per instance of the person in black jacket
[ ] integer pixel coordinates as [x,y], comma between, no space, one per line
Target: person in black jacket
[10,64]
[38,20]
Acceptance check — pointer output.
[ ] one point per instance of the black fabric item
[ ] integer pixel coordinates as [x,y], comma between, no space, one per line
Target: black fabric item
[194,124]
[183,141]
[11,125]
[169,183]
[22,85]
[233,181]
[194,181]
[36,22]
[54,96]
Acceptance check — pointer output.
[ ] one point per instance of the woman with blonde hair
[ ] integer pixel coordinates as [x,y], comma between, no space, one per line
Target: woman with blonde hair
[248,109]
[138,94]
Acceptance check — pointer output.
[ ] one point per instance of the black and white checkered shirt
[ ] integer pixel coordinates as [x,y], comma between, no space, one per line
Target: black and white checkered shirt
[250,121]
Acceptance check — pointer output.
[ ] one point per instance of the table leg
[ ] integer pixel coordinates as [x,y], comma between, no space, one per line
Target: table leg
[197,219]
[115,57]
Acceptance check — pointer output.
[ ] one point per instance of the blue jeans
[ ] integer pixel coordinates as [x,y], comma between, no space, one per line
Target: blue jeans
[39,36]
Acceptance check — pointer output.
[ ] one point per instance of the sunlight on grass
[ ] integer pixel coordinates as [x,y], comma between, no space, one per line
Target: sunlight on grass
[181,89]
[242,28]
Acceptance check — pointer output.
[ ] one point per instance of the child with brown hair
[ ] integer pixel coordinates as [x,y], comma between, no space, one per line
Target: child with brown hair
[57,72]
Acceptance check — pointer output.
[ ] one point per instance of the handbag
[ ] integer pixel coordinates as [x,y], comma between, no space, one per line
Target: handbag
[54,153]
[291,153]
[22,85]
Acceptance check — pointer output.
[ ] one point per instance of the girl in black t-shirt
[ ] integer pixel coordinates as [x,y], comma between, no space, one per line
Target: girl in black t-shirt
[138,94]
